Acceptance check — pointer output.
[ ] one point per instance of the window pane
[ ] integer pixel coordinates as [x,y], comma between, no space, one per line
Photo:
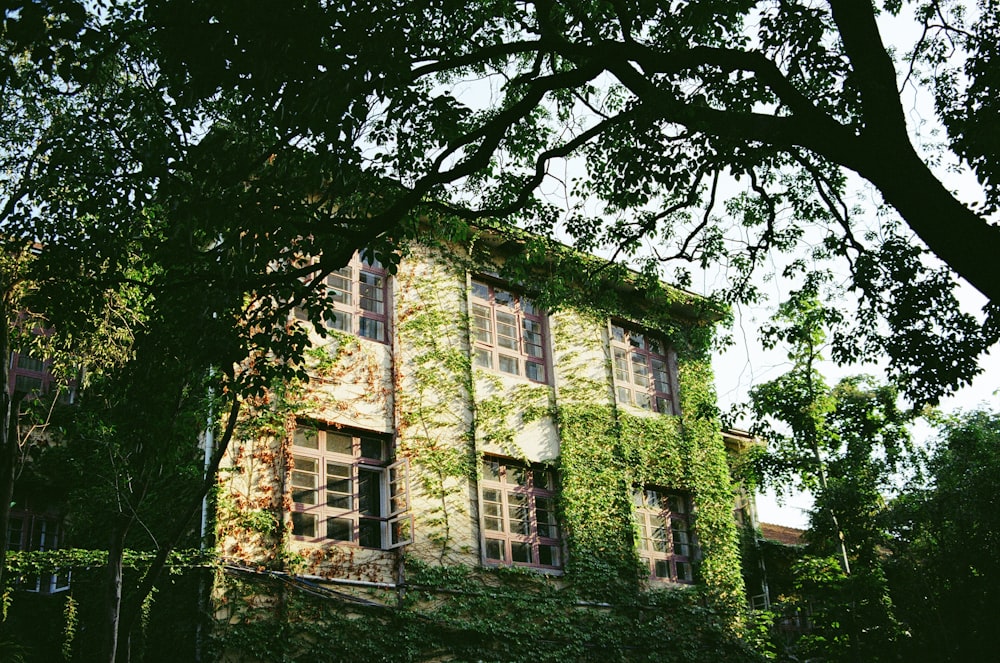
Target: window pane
[635,339]
[517,511]
[306,438]
[664,406]
[543,479]
[685,571]
[339,289]
[621,365]
[528,307]
[340,321]
[518,475]
[303,524]
[481,324]
[624,395]
[27,383]
[340,444]
[373,447]
[491,470]
[503,298]
[369,492]
[508,365]
[300,314]
[534,371]
[484,358]
[660,380]
[29,363]
[548,555]
[373,329]
[643,400]
[480,290]
[339,529]
[618,333]
[640,371]
[661,569]
[545,514]
[305,480]
[506,331]
[532,338]
[369,533]
[494,550]
[520,552]
[339,492]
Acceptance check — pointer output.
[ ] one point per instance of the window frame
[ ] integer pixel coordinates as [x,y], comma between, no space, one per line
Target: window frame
[659,394]
[392,520]
[651,514]
[36,531]
[346,289]
[524,313]
[508,493]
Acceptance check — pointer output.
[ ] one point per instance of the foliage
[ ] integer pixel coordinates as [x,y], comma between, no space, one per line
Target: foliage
[709,133]
[948,531]
[850,447]
[462,614]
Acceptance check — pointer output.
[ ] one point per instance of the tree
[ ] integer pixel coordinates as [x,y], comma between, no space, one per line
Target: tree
[848,446]
[205,220]
[944,566]
[621,122]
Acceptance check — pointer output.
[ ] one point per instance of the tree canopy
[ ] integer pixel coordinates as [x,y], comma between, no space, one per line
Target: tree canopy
[705,133]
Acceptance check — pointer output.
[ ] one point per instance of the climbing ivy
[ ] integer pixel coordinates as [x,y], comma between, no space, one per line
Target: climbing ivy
[601,607]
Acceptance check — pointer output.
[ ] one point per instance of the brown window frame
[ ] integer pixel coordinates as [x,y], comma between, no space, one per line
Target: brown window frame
[360,307]
[665,535]
[339,495]
[636,356]
[538,544]
[493,308]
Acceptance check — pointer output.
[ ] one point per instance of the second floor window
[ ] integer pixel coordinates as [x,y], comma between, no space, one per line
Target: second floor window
[508,332]
[359,295]
[663,519]
[344,488]
[518,504]
[643,372]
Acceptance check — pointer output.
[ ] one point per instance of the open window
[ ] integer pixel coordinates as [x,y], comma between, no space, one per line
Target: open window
[345,488]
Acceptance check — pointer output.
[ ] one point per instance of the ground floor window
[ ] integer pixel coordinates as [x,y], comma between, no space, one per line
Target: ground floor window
[518,505]
[666,546]
[345,487]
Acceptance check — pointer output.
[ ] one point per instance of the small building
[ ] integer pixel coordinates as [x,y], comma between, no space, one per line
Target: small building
[468,471]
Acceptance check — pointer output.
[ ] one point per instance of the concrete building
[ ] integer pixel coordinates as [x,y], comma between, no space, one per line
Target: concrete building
[453,427]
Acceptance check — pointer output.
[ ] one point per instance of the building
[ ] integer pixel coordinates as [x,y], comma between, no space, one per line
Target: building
[463,464]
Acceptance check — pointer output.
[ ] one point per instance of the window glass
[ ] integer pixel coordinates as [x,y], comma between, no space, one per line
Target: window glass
[641,370]
[508,332]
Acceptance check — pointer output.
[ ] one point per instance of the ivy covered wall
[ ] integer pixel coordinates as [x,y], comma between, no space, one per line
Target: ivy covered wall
[432,599]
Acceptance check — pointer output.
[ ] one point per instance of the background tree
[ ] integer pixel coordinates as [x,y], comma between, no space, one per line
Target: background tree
[848,446]
[944,566]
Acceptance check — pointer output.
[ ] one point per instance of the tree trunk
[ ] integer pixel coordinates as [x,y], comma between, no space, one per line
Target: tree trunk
[8,440]
[113,594]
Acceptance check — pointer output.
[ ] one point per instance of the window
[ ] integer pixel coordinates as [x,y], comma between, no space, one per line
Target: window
[518,504]
[508,332]
[663,519]
[359,296]
[642,370]
[28,374]
[345,489]
[27,531]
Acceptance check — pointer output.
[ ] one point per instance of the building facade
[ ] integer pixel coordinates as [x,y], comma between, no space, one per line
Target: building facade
[454,434]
